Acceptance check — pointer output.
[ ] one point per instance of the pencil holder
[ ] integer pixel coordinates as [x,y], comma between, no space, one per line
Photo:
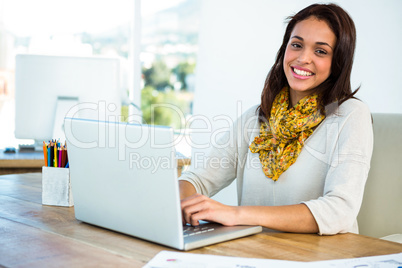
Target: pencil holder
[56,187]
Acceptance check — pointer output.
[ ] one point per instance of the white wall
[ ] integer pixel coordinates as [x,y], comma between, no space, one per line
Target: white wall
[239,40]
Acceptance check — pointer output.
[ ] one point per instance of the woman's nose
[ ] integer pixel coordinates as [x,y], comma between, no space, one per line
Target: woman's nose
[304,57]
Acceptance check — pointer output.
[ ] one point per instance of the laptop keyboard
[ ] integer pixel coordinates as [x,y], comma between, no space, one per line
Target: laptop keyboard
[196,230]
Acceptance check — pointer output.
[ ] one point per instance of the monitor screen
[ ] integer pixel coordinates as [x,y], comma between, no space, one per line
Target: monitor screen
[48,88]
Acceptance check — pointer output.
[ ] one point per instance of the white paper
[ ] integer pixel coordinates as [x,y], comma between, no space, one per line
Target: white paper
[382,261]
[170,259]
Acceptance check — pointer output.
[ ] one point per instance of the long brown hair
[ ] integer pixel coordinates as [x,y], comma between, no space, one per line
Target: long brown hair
[337,86]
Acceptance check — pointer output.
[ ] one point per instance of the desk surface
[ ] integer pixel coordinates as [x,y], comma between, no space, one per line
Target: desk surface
[36,235]
[18,162]
[21,159]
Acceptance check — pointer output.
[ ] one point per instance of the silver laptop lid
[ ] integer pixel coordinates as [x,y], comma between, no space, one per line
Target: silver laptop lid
[124,178]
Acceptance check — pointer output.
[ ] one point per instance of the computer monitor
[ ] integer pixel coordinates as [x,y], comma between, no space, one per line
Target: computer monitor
[48,88]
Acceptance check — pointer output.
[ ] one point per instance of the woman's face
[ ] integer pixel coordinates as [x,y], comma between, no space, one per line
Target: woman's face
[308,56]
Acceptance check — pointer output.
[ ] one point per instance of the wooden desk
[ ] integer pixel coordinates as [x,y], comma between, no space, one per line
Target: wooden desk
[37,236]
[13,163]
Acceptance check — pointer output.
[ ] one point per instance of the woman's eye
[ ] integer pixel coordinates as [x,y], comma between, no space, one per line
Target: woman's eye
[321,52]
[295,45]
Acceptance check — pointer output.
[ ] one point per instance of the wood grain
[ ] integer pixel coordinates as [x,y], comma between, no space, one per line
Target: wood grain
[26,246]
[56,236]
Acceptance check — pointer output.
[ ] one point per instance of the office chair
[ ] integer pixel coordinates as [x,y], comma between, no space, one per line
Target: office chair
[381,212]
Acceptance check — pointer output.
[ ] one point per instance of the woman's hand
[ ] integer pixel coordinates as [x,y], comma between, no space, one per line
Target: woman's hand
[291,218]
[199,207]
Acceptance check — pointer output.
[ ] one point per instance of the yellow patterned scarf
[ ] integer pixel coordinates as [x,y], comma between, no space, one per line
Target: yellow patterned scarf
[280,143]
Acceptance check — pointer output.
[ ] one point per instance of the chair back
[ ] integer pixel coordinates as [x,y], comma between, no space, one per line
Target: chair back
[381,211]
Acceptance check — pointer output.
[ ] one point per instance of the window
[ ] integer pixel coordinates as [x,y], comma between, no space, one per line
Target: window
[169,34]
[169,48]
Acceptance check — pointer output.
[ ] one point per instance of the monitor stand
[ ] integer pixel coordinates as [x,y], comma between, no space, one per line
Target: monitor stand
[64,106]
[29,148]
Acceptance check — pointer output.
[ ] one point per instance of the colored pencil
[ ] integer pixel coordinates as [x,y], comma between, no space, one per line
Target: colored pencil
[49,155]
[66,158]
[59,165]
[45,152]
[55,155]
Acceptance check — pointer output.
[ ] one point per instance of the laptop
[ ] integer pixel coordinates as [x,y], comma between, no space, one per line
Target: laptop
[124,178]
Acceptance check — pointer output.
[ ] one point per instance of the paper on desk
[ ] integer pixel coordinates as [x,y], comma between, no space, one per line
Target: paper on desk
[169,259]
[382,261]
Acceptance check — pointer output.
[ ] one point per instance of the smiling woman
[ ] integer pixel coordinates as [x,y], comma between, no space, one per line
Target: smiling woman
[329,43]
[302,156]
[308,57]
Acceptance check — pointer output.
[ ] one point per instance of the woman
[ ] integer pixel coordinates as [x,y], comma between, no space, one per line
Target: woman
[304,167]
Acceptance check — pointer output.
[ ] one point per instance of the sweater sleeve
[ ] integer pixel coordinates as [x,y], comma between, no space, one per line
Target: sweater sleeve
[216,168]
[336,211]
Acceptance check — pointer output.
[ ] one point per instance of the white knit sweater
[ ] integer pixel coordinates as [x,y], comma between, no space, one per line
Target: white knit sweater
[328,176]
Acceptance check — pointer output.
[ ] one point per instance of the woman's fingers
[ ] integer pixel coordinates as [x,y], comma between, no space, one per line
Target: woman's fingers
[193,199]
[200,215]
[192,206]
[198,207]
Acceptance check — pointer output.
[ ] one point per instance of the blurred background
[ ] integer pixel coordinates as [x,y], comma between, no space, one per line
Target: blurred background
[205,57]
[168,36]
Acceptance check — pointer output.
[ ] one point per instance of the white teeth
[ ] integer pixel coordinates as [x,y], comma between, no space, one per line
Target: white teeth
[301,72]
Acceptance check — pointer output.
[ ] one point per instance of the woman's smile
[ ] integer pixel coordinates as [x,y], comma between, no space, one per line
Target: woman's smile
[301,73]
